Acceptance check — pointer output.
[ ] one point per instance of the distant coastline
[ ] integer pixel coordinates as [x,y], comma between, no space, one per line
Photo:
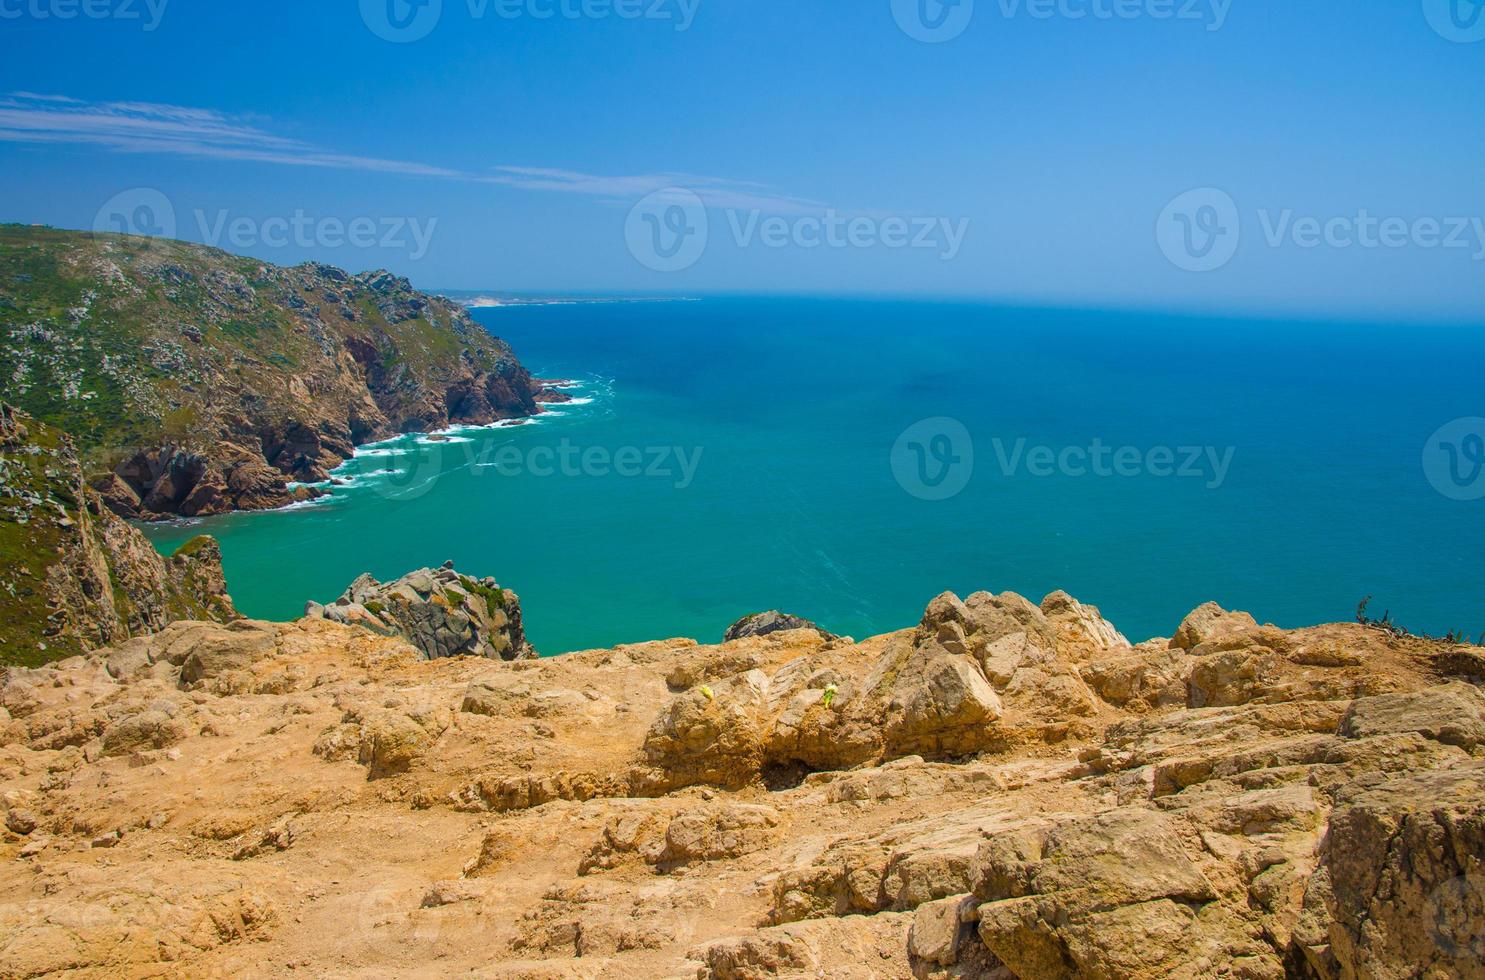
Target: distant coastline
[485,301]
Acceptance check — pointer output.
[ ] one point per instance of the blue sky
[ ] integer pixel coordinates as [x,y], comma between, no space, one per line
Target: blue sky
[1033,156]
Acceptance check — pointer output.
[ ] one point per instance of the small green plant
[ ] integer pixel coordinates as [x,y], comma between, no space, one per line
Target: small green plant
[375,608]
[706,692]
[1396,630]
[494,598]
[829,695]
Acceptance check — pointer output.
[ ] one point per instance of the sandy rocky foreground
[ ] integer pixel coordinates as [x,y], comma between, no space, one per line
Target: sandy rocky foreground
[1005,790]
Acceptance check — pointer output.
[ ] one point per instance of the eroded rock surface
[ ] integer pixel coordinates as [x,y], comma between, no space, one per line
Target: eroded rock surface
[1008,789]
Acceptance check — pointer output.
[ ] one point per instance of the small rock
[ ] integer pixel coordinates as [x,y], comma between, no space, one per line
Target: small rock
[20,820]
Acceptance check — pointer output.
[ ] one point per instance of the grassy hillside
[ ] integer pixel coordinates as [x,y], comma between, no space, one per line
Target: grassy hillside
[149,352]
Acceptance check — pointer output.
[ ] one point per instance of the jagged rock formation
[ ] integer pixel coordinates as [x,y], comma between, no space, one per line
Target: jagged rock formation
[773,621]
[74,577]
[439,611]
[1008,789]
[198,382]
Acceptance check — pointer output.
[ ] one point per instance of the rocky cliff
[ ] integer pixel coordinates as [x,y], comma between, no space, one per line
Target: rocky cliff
[1008,789]
[439,611]
[197,382]
[73,576]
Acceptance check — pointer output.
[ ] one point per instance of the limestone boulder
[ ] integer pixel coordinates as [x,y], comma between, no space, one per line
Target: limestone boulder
[1111,895]
[1210,624]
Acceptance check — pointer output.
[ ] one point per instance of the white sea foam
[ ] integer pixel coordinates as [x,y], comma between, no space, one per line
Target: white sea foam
[382,452]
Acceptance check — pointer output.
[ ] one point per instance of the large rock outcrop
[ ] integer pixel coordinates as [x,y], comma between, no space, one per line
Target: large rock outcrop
[773,621]
[76,577]
[197,382]
[1006,790]
[439,611]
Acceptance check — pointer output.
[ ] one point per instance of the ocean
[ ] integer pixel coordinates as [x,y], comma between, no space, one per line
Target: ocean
[847,460]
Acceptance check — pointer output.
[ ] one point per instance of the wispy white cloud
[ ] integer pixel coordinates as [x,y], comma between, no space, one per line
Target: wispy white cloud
[147,127]
[714,191]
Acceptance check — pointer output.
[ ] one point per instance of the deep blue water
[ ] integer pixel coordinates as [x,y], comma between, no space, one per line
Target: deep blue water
[795,407]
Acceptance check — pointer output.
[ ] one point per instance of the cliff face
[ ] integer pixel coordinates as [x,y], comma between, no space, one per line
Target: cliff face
[197,382]
[1006,790]
[74,576]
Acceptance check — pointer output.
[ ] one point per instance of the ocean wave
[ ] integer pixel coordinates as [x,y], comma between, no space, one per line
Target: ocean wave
[364,453]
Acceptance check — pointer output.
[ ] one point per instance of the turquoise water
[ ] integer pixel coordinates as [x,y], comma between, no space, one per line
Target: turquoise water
[799,500]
